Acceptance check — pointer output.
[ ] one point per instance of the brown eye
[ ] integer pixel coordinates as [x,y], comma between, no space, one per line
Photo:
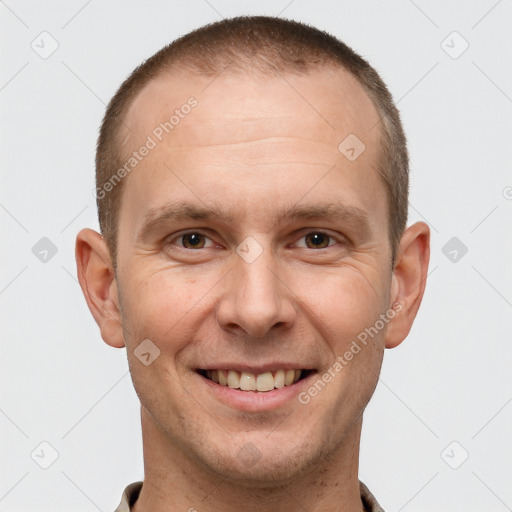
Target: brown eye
[193,241]
[317,240]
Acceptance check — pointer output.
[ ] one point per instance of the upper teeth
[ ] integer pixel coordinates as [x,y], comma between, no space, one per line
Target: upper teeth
[247,381]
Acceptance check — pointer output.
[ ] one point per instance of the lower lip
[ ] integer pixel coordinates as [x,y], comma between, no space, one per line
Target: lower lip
[255,401]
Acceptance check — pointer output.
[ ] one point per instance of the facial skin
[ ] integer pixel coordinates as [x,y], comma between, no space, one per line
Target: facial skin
[254,151]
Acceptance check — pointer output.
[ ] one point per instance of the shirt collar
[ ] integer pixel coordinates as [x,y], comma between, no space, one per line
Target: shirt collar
[131,493]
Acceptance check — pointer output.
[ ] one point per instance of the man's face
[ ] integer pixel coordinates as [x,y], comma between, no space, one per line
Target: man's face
[249,242]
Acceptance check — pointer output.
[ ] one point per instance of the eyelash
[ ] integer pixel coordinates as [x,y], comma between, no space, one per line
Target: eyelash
[181,236]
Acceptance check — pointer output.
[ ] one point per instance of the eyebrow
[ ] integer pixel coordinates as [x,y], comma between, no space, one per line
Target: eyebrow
[180,211]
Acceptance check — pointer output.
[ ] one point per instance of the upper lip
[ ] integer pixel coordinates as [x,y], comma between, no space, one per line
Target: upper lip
[255,369]
[241,367]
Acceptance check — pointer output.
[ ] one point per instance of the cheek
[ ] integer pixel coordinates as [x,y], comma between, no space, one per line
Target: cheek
[343,308]
[156,305]
[343,301]
[159,307]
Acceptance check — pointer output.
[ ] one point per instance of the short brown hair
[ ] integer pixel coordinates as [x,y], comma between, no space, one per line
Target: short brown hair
[267,45]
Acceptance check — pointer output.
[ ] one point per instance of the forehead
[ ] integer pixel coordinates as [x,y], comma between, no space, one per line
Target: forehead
[266,139]
[330,104]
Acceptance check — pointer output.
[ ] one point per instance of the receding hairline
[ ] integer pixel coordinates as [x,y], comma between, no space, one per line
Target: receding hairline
[177,71]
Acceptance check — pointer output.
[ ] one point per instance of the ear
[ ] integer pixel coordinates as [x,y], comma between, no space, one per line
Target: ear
[408,281]
[98,281]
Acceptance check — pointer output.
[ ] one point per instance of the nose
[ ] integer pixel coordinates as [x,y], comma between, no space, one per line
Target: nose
[255,300]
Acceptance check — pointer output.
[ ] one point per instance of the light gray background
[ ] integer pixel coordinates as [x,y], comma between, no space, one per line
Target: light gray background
[449,381]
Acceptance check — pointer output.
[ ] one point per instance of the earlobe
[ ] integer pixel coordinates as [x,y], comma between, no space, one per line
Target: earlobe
[98,282]
[408,281]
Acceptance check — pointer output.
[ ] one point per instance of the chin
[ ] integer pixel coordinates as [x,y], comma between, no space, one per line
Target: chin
[262,461]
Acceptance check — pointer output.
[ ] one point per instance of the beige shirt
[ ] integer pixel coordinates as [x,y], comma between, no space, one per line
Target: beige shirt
[131,493]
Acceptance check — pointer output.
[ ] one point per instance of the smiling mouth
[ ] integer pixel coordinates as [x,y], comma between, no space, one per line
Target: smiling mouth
[247,381]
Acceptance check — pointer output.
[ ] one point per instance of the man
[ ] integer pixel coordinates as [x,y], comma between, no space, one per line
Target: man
[252,182]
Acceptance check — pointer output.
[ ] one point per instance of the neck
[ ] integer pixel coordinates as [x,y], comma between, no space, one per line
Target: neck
[174,481]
